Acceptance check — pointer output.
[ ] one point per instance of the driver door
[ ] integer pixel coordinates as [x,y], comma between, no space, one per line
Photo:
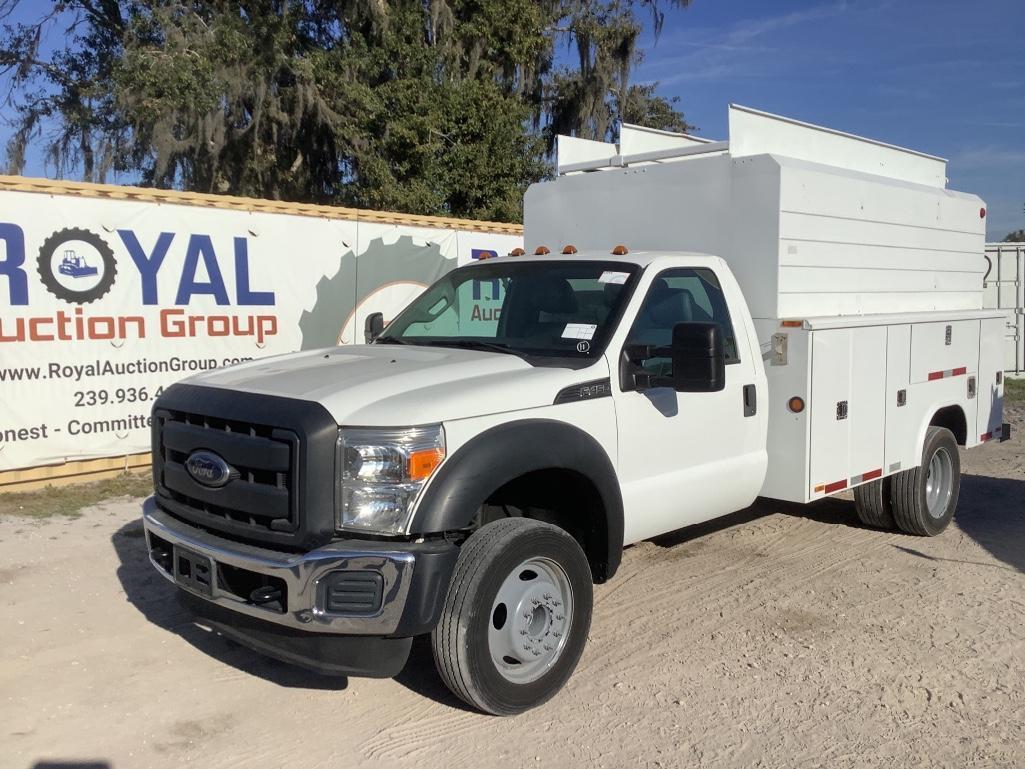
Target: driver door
[686,457]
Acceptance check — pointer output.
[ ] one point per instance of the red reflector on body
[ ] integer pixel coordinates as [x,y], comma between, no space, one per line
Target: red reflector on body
[831,487]
[948,373]
[872,474]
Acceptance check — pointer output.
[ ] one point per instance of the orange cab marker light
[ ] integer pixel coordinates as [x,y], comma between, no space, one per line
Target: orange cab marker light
[568,249]
[541,251]
[620,250]
[423,463]
[517,252]
[791,323]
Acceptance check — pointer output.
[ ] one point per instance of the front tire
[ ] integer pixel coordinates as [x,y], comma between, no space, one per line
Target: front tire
[925,497]
[516,616]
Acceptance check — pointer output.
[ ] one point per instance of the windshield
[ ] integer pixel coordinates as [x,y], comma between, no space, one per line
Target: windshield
[528,308]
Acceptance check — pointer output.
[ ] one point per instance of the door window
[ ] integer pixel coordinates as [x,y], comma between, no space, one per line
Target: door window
[678,296]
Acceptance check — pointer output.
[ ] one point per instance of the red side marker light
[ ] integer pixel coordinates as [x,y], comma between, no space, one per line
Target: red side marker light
[982,213]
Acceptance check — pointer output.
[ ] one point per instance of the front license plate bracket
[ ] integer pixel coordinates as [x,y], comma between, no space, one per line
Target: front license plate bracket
[193,571]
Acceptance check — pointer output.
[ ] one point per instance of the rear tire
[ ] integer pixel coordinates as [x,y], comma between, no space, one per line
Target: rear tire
[872,501]
[925,497]
[516,616]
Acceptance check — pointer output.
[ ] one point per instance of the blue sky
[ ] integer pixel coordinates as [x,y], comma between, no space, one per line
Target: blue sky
[945,77]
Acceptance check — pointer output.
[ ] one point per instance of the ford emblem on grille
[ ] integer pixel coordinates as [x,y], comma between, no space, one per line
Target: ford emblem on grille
[209,469]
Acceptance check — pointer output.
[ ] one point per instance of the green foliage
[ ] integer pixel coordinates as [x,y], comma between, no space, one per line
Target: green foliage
[1018,236]
[431,107]
[1014,390]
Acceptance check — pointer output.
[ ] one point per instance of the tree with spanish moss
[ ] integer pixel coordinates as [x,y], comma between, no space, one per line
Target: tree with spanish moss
[433,106]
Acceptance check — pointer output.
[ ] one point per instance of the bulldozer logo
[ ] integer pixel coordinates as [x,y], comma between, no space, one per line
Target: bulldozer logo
[76,265]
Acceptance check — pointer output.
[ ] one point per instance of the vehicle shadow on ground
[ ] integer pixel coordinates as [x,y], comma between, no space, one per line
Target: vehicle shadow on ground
[420,676]
[990,511]
[156,599]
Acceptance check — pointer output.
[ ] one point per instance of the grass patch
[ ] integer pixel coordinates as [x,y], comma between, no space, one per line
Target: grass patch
[1014,390]
[67,501]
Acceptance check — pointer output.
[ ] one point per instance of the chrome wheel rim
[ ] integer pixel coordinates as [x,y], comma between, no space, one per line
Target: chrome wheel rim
[530,619]
[939,483]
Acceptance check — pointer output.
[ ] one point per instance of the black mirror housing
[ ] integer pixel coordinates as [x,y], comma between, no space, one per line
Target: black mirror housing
[699,358]
[373,326]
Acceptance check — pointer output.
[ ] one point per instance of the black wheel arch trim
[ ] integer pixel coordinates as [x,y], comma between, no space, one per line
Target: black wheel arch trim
[503,453]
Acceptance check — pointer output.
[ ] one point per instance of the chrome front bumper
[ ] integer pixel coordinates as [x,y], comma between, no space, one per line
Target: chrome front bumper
[301,574]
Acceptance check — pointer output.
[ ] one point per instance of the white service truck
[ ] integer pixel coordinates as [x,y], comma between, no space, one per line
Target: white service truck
[790,314]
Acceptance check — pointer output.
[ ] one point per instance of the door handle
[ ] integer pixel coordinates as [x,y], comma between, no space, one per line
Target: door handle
[750,400]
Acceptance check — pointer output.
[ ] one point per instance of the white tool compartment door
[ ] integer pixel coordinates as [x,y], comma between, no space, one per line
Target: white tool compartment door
[903,419]
[990,395]
[867,410]
[940,350]
[830,412]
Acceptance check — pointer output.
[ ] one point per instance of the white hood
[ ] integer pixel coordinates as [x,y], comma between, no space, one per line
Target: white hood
[395,385]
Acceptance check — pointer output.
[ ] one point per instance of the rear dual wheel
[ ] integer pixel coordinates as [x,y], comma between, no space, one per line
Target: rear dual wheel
[918,501]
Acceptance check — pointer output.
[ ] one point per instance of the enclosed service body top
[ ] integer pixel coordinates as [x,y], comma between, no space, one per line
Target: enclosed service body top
[812,221]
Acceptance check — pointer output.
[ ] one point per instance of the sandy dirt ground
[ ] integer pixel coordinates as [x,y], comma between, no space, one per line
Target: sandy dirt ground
[783,636]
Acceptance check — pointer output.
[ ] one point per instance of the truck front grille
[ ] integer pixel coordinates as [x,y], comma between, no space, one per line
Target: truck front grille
[263,494]
[281,492]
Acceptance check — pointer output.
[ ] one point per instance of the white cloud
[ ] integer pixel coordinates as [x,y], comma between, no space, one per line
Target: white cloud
[988,157]
[716,54]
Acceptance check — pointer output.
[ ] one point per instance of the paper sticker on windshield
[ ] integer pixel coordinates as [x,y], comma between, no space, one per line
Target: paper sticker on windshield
[618,278]
[579,331]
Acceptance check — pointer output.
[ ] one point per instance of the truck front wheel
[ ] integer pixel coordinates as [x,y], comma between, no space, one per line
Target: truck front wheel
[925,497]
[516,616]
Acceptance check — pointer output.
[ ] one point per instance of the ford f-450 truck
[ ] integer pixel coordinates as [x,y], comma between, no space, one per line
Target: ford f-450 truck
[789,314]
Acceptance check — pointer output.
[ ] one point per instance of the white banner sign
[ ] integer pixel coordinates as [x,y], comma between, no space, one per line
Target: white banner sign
[103,303]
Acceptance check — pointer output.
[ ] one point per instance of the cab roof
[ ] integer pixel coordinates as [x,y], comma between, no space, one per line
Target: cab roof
[640,258]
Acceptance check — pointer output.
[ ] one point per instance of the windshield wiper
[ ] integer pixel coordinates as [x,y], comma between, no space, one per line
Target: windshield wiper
[473,344]
[390,340]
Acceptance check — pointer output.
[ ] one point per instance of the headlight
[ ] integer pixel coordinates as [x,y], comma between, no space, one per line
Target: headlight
[382,473]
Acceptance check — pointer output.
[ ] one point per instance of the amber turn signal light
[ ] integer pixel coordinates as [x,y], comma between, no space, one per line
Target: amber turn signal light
[423,463]
[796,404]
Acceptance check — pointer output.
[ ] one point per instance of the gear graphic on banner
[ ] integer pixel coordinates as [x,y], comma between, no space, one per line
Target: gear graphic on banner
[384,275]
[76,265]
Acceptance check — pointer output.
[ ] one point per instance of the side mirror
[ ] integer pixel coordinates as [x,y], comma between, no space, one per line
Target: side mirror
[699,358]
[373,326]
